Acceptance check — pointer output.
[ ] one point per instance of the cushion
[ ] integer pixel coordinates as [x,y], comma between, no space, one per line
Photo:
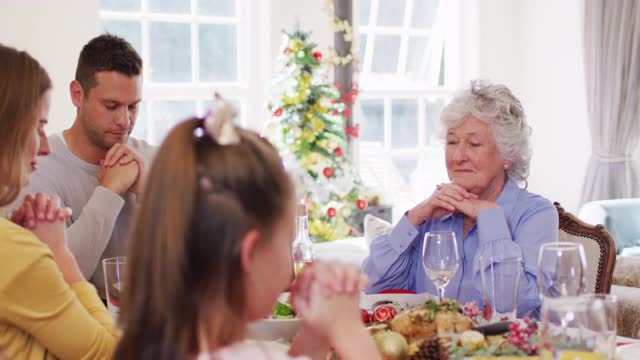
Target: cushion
[631,251]
[627,271]
[628,310]
[349,251]
[374,227]
[621,217]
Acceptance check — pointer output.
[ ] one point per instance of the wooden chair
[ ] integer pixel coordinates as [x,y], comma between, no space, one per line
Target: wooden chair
[599,247]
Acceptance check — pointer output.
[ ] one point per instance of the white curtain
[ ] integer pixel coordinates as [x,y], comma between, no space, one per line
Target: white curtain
[612,66]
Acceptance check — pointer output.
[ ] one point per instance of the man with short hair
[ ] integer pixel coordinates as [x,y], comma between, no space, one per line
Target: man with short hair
[95,167]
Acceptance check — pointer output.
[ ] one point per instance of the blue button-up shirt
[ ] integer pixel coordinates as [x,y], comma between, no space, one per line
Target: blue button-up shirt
[520,224]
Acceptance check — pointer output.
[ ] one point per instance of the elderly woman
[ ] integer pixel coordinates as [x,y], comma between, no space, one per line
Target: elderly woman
[487,155]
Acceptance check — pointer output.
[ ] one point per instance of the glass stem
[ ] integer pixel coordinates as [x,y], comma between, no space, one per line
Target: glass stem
[440,293]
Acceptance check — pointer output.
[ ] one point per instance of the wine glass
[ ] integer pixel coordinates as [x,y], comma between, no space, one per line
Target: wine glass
[440,258]
[562,269]
[579,327]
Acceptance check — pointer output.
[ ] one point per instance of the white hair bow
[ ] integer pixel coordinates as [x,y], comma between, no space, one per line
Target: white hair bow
[219,122]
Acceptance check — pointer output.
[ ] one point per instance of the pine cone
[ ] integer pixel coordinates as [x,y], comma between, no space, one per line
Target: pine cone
[430,349]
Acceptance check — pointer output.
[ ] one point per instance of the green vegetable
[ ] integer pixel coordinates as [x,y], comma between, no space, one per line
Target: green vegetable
[283,311]
[433,307]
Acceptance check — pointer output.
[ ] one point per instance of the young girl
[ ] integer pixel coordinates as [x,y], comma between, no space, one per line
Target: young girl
[47,309]
[211,252]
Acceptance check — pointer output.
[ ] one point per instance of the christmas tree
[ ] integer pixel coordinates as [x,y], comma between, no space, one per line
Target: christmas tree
[308,125]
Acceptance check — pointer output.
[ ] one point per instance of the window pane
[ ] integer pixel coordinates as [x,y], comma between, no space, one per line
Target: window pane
[362,47]
[170,54]
[415,56]
[391,12]
[364,11]
[218,53]
[424,13]
[141,128]
[217,7]
[130,30]
[170,6]
[385,54]
[372,122]
[433,109]
[442,68]
[120,5]
[166,114]
[406,166]
[404,123]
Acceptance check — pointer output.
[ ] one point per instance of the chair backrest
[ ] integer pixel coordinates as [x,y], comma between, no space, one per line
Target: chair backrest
[599,247]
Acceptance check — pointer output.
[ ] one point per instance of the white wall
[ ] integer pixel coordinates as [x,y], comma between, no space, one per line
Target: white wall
[308,14]
[54,35]
[555,95]
[535,48]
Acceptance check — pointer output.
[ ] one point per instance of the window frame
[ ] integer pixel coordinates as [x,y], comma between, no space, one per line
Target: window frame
[250,74]
[389,87]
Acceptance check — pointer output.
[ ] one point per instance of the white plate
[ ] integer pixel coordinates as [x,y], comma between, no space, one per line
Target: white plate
[628,352]
[274,329]
[405,300]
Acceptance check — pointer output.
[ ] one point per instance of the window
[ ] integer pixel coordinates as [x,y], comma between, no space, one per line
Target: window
[189,48]
[408,51]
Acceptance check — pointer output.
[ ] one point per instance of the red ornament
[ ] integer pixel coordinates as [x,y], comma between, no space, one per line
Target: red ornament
[384,313]
[328,171]
[278,112]
[338,151]
[331,212]
[487,312]
[347,112]
[362,204]
[353,131]
[366,318]
[287,51]
[318,56]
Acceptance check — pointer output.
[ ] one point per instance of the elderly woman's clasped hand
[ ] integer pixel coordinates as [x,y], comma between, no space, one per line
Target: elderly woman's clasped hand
[448,199]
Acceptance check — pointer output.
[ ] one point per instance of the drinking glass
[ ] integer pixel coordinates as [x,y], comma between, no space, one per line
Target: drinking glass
[113,276]
[440,258]
[562,269]
[500,279]
[578,327]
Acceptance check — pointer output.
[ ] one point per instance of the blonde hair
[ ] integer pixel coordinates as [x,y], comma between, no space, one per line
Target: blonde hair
[184,275]
[23,82]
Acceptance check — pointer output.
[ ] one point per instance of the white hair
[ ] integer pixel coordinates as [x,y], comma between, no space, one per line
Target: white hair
[496,105]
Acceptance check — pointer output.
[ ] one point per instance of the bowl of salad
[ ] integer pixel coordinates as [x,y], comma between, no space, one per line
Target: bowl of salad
[281,324]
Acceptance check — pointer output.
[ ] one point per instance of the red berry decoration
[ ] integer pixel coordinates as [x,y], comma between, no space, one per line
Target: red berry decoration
[487,312]
[331,212]
[338,151]
[328,171]
[384,313]
[278,112]
[317,55]
[366,318]
[362,204]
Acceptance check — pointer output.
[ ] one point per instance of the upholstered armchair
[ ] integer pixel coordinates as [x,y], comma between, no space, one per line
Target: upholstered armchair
[607,273]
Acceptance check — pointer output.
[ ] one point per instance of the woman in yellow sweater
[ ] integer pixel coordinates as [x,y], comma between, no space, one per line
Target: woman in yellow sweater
[47,309]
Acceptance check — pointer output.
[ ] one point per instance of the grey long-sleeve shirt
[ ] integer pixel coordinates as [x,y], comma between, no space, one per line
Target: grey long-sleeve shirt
[101,218]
